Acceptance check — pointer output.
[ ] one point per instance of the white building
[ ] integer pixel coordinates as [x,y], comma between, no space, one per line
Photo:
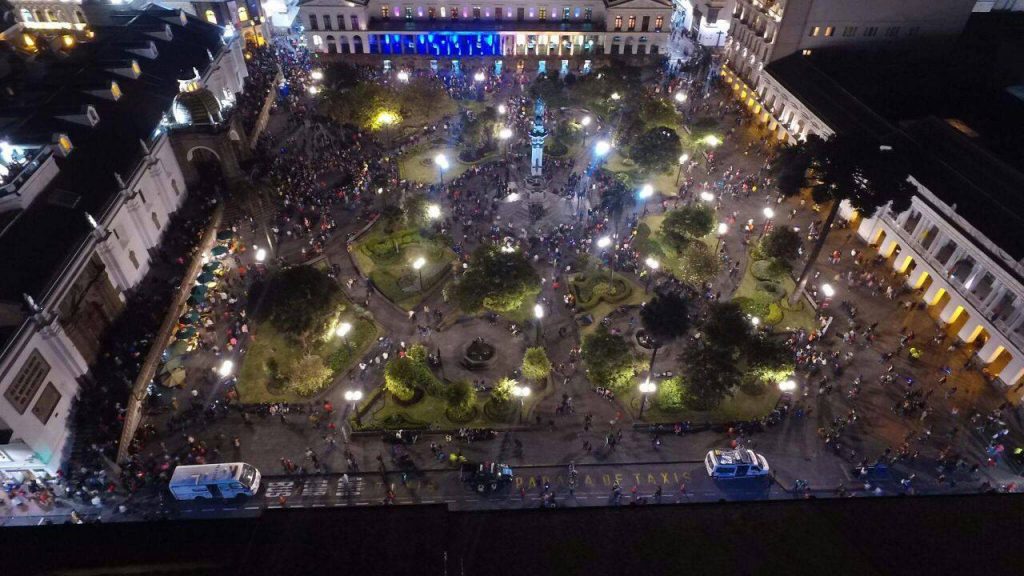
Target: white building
[763,31]
[959,242]
[707,20]
[88,181]
[525,29]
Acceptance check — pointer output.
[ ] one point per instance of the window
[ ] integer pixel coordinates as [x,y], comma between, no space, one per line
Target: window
[444,12]
[243,13]
[27,382]
[499,13]
[806,52]
[892,31]
[815,31]
[588,14]
[408,12]
[849,31]
[455,12]
[327,22]
[174,186]
[632,23]
[431,13]
[542,14]
[618,23]
[565,14]
[829,30]
[645,23]
[713,14]
[870,31]
[384,11]
[47,403]
[341,21]
[131,253]
[476,12]
[313,24]
[211,17]
[355,22]
[156,220]
[79,17]
[658,23]
[26,15]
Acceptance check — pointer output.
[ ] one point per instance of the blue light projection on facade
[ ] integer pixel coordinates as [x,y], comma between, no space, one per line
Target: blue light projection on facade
[438,44]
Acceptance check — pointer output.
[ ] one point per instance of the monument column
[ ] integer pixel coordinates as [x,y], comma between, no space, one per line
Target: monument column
[537,136]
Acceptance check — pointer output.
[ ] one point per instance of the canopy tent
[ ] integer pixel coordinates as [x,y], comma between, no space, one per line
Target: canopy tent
[186,333]
[224,235]
[211,266]
[190,317]
[199,291]
[219,250]
[206,278]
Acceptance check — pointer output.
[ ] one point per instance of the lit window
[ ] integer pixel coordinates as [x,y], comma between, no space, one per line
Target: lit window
[806,52]
[618,23]
[26,15]
[849,31]
[542,14]
[632,23]
[211,17]
[384,11]
[444,12]
[317,40]
[243,13]
[829,30]
[658,23]
[815,31]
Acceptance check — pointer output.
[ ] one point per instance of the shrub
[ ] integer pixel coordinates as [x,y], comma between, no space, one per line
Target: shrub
[536,366]
[752,306]
[774,315]
[308,375]
[400,378]
[774,290]
[697,264]
[669,396]
[502,391]
[768,269]
[461,400]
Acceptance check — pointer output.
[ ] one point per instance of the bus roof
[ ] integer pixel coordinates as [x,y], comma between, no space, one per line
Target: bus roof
[205,473]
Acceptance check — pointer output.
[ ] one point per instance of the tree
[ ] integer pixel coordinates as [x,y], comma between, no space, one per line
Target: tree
[609,359]
[670,394]
[550,89]
[413,209]
[843,168]
[614,199]
[496,280]
[768,359]
[656,149]
[309,375]
[424,99]
[782,243]
[697,264]
[460,399]
[655,112]
[665,318]
[502,391]
[401,376]
[687,223]
[299,301]
[710,374]
[341,76]
[726,327]
[536,366]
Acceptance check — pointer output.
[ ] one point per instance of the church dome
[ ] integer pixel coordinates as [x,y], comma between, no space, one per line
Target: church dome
[195,105]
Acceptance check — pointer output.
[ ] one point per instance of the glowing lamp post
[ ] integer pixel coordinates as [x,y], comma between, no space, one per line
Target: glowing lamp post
[442,164]
[787,385]
[226,368]
[342,331]
[502,109]
[646,192]
[602,243]
[478,77]
[418,265]
[585,122]
[723,229]
[653,264]
[403,76]
[433,211]
[538,314]
[521,392]
[680,97]
[353,397]
[646,387]
[261,255]
[707,196]
[768,215]
[682,162]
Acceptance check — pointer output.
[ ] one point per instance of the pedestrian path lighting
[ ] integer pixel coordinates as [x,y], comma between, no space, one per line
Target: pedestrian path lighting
[261,255]
[653,264]
[313,90]
[682,162]
[646,387]
[585,121]
[755,321]
[403,76]
[433,211]
[712,140]
[442,164]
[538,313]
[604,242]
[680,97]
[521,392]
[827,290]
[707,196]
[616,96]
[417,265]
[723,229]
[602,148]
[316,75]
[342,331]
[479,77]
[353,396]
[226,368]
[646,192]
[787,385]
[502,109]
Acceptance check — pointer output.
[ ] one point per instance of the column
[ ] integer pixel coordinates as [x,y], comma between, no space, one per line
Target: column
[958,253]
[947,313]
[1013,371]
[969,331]
[917,277]
[994,297]
[888,247]
[990,350]
[940,240]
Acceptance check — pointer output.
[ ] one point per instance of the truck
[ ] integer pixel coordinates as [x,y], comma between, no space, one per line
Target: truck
[739,463]
[209,481]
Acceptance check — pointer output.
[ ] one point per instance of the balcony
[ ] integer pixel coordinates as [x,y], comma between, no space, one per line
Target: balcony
[470,26]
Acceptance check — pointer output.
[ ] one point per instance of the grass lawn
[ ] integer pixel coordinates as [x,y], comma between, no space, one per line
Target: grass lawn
[740,406]
[799,316]
[387,260]
[667,257]
[602,308]
[254,384]
[431,410]
[664,183]
[417,164]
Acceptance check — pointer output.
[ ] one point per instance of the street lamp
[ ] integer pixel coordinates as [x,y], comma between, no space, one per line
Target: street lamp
[353,397]
[755,321]
[768,215]
[226,368]
[707,196]
[585,121]
[433,211]
[615,96]
[417,265]
[682,162]
[316,75]
[723,228]
[646,387]
[342,331]
[680,97]
[505,133]
[646,192]
[403,76]
[442,164]
[604,242]
[787,385]
[521,392]
[653,264]
[261,255]
[502,108]
[313,90]
[827,290]
[479,77]
[538,313]
[602,148]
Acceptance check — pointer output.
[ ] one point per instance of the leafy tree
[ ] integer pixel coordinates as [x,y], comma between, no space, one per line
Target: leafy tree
[687,223]
[609,359]
[710,374]
[614,199]
[359,105]
[309,375]
[423,99]
[341,76]
[768,358]
[782,243]
[697,264]
[460,398]
[496,280]
[670,394]
[536,366]
[550,89]
[726,327]
[413,210]
[401,376]
[418,353]
[655,112]
[299,301]
[502,391]
[656,149]
[851,168]
[665,318]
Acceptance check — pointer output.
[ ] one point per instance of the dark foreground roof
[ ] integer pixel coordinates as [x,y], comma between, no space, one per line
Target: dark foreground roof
[883,536]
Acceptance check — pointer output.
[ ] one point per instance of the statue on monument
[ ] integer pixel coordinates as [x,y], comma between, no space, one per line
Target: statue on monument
[537,136]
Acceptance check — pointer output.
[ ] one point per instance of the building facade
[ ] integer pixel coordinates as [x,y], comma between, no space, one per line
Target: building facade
[707,21]
[487,28]
[89,179]
[763,31]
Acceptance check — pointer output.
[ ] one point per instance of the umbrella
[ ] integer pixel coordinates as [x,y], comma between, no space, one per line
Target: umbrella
[190,317]
[211,267]
[219,250]
[225,235]
[186,333]
[206,278]
[199,291]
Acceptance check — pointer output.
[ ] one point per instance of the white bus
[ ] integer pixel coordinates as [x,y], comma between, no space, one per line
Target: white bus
[215,481]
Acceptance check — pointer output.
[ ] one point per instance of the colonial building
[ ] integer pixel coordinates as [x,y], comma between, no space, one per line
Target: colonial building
[707,20]
[763,31]
[91,170]
[449,31]
[959,243]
